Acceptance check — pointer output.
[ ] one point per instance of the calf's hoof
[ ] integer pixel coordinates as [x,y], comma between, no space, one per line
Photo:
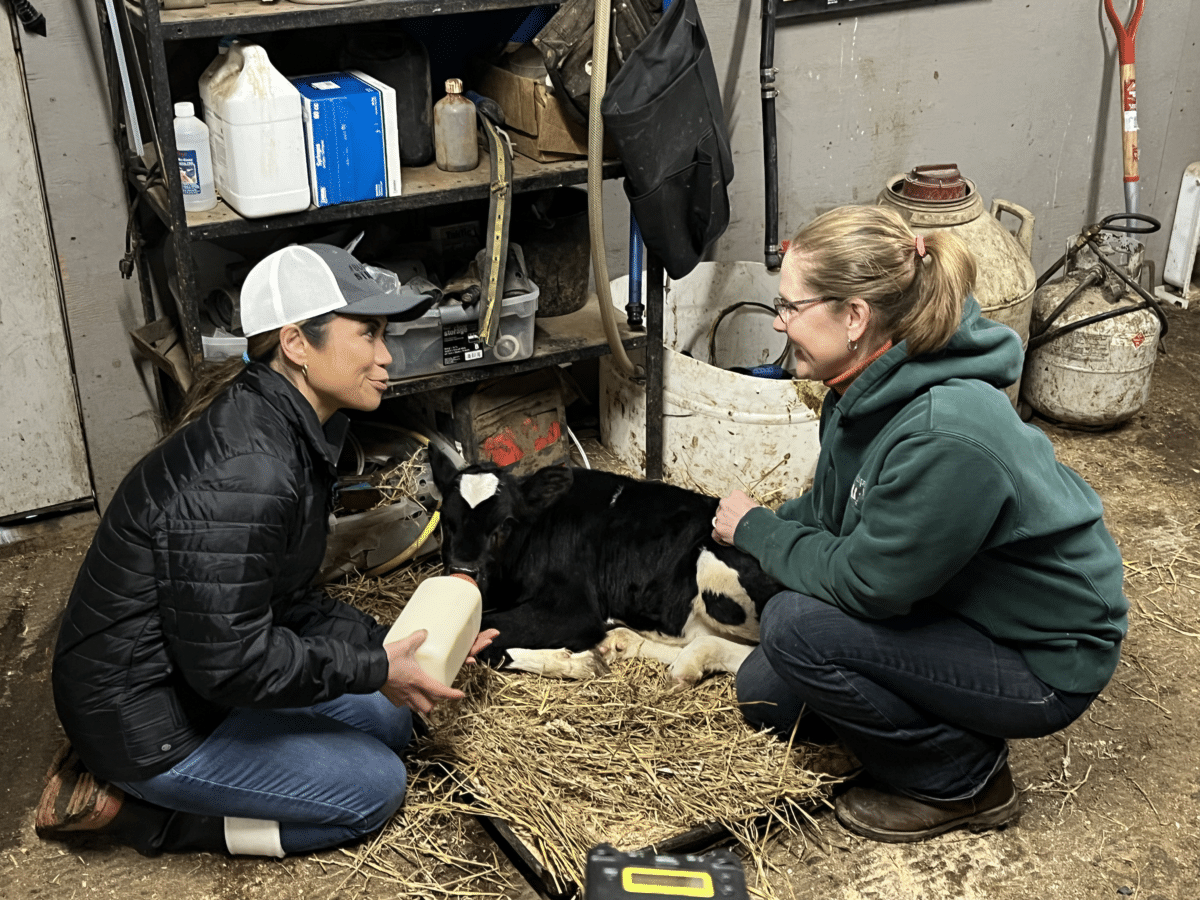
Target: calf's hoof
[558,663]
[684,677]
[620,643]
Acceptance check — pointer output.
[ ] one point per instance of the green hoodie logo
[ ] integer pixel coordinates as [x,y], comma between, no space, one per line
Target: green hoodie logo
[857,490]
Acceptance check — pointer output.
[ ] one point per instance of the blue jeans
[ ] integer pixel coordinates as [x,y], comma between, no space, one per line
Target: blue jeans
[925,701]
[328,773]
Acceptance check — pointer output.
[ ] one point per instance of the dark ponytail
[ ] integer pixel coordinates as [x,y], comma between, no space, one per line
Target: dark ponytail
[215,377]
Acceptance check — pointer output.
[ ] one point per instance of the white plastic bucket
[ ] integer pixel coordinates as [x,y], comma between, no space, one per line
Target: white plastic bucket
[721,429]
[256,129]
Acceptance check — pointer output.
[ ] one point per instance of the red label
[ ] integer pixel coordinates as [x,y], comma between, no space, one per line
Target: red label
[1139,339]
[503,448]
[1129,95]
[553,433]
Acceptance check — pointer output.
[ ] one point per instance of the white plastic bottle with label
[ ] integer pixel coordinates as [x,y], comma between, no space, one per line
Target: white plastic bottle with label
[455,133]
[256,124]
[195,163]
[450,608]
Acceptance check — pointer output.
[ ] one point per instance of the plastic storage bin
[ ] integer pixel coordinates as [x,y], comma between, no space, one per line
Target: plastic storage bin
[446,338]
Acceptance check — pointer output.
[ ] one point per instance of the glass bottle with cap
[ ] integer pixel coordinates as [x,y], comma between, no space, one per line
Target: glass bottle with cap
[455,133]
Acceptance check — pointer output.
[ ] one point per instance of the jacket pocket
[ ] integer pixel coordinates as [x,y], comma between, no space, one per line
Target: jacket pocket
[152,725]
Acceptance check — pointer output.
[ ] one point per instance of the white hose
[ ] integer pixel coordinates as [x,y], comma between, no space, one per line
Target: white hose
[579,447]
[595,182]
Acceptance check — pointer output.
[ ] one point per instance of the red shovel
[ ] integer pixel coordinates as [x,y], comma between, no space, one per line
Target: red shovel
[1129,127]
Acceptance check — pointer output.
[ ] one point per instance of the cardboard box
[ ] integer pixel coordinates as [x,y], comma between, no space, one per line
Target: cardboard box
[391,130]
[344,133]
[541,128]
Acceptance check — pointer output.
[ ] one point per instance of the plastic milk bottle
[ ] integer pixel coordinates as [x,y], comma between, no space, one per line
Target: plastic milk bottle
[450,608]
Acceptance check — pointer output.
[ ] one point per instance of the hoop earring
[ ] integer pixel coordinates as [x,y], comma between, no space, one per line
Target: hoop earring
[851,345]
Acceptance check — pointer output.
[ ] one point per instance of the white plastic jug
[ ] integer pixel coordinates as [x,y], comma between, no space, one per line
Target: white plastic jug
[450,608]
[256,130]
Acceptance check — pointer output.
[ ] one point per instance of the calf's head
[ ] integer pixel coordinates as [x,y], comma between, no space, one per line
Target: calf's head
[482,507]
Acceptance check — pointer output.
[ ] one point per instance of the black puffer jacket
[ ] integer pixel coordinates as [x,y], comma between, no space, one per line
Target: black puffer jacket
[196,594]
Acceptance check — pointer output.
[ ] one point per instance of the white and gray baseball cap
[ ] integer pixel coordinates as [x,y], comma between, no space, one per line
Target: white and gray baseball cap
[302,281]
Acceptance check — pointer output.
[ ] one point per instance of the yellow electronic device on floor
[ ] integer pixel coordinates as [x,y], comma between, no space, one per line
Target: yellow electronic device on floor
[645,875]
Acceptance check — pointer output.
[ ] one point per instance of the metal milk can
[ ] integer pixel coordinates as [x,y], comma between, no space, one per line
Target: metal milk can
[1095,340]
[938,196]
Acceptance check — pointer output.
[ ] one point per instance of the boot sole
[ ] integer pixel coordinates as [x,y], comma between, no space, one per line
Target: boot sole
[1006,813]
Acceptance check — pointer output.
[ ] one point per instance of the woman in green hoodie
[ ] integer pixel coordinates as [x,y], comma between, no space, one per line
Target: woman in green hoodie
[950,583]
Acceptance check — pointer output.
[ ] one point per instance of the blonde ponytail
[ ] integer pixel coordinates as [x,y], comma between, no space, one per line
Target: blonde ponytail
[870,252]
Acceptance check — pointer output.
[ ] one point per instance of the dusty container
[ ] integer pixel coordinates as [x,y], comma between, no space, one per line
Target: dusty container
[400,61]
[552,229]
[450,608]
[938,197]
[1096,375]
[455,134]
[721,429]
[256,131]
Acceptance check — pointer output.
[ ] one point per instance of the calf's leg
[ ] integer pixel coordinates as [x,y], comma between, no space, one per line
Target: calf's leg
[555,642]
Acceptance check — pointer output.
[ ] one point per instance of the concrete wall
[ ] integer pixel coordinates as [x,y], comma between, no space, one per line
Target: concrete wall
[1024,96]
[86,196]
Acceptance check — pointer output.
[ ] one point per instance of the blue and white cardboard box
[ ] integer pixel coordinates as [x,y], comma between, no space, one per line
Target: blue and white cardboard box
[391,130]
[344,133]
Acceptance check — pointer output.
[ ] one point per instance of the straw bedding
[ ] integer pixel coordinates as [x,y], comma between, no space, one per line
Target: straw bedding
[622,759]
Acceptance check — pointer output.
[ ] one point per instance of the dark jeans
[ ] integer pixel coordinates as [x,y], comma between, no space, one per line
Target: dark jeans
[925,701]
[327,773]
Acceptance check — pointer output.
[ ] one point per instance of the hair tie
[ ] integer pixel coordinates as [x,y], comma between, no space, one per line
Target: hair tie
[246,357]
[920,247]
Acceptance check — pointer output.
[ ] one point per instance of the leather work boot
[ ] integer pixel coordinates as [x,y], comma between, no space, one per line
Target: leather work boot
[73,800]
[75,805]
[883,815]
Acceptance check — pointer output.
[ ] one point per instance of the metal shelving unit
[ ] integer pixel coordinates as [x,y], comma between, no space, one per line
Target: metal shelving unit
[147,35]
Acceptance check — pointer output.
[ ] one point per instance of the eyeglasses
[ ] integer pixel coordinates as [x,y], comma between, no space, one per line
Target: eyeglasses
[786,309]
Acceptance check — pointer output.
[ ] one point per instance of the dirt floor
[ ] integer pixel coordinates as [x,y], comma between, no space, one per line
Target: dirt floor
[1111,806]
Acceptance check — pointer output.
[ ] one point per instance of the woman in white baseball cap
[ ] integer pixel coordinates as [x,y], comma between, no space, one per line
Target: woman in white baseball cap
[213,698]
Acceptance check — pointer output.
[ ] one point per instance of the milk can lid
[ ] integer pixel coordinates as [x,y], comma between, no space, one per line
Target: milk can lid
[934,182]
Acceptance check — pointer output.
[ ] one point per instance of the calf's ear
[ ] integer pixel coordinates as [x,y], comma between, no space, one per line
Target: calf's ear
[445,470]
[544,487]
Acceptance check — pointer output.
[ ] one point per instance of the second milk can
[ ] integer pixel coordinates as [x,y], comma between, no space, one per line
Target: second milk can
[938,196]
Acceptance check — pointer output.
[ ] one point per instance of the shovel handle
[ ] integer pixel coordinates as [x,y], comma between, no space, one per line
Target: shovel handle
[1129,126]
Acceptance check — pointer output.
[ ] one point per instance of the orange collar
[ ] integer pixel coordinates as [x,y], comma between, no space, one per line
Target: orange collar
[842,382]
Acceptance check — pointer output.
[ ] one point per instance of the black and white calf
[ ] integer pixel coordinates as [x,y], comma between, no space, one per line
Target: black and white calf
[579,567]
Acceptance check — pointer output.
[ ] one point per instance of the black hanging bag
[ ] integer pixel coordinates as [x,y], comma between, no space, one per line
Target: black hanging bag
[662,110]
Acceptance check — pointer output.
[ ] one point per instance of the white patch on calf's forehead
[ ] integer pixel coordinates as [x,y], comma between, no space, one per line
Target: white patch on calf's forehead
[477,487]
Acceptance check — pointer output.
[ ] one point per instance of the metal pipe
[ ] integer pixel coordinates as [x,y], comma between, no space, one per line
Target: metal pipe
[767,73]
